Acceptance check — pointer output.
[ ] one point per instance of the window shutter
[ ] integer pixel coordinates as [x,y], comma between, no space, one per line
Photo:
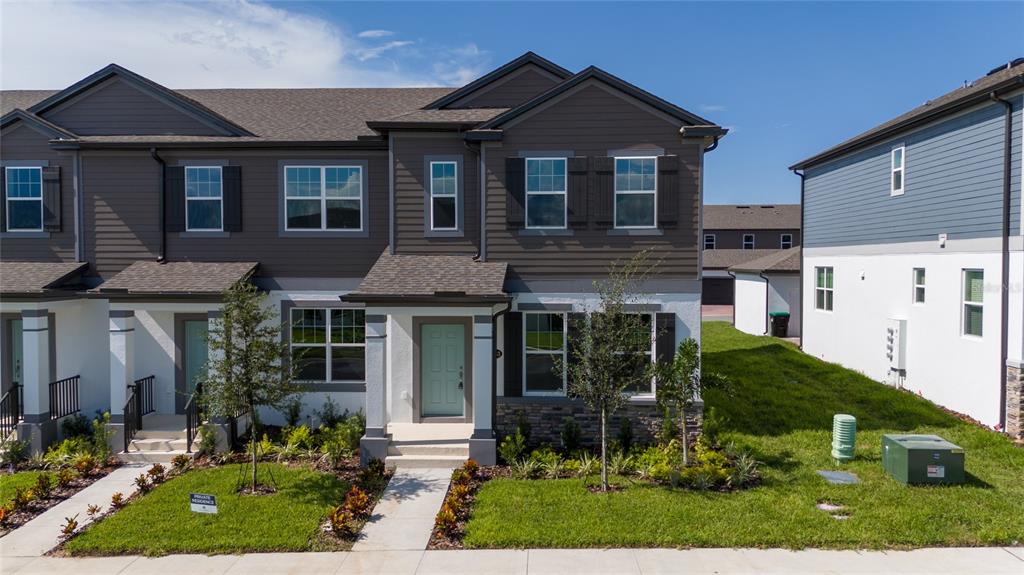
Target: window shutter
[232,182]
[174,206]
[3,199]
[572,333]
[603,203]
[515,192]
[513,354]
[665,344]
[578,190]
[51,199]
[668,191]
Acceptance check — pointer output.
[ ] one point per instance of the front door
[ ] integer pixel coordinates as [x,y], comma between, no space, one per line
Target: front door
[196,352]
[442,370]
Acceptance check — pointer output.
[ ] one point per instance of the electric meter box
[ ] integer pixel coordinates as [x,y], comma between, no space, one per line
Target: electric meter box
[922,459]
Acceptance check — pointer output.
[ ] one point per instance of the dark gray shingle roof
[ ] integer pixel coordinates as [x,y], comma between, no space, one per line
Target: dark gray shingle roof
[752,217]
[36,277]
[405,275]
[725,259]
[781,261]
[150,277]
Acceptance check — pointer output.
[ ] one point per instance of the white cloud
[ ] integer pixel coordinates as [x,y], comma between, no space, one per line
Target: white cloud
[712,108]
[229,43]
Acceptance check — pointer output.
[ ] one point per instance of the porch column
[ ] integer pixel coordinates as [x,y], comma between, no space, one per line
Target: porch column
[482,444]
[375,443]
[122,360]
[36,376]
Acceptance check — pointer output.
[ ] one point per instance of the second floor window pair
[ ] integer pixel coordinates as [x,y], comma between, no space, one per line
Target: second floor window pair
[324,197]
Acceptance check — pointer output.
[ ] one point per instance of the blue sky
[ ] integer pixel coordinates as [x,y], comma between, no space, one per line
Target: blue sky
[789,79]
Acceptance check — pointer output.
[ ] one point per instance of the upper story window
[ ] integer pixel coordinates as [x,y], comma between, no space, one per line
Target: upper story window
[635,192]
[709,241]
[204,199]
[324,198]
[973,302]
[918,285]
[24,197]
[545,193]
[443,196]
[545,345]
[748,241]
[823,288]
[329,345]
[786,241]
[898,157]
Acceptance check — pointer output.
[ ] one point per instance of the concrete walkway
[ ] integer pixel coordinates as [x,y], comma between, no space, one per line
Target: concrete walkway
[42,534]
[404,517]
[938,561]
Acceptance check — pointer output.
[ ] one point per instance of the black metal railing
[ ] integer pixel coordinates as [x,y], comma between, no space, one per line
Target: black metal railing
[140,403]
[64,397]
[11,408]
[192,416]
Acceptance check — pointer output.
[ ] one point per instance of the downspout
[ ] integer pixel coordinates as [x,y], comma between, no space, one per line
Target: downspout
[733,276]
[162,255]
[1004,291]
[479,151]
[391,193]
[713,145]
[79,210]
[494,363]
[483,202]
[800,284]
[767,322]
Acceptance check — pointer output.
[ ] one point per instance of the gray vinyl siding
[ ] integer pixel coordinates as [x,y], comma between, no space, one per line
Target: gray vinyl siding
[590,122]
[123,226]
[509,92]
[763,239]
[412,186]
[118,108]
[953,185]
[21,142]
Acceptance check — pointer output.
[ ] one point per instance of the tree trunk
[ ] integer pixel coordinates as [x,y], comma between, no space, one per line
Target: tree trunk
[686,435]
[604,450]
[252,416]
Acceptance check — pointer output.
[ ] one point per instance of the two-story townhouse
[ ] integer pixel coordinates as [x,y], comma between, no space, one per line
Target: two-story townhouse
[736,234]
[426,247]
[912,250]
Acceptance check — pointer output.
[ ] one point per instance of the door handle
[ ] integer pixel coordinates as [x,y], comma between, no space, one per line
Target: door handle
[460,378]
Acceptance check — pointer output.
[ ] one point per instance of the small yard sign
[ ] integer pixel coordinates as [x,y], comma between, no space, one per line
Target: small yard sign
[203,503]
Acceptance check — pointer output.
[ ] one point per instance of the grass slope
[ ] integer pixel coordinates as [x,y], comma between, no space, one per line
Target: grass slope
[782,410]
[161,522]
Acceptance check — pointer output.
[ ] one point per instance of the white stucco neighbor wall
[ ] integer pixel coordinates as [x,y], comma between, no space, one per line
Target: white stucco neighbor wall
[753,303]
[874,283]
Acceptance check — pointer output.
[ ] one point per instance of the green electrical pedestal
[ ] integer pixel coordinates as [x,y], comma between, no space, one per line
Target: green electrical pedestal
[922,459]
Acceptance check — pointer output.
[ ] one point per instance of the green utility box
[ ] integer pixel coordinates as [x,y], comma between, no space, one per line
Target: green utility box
[923,459]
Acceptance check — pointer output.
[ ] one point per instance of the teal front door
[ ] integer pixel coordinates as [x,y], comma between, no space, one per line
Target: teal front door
[196,352]
[442,370]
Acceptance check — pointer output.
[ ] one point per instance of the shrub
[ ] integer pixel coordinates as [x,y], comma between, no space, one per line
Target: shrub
[13,452]
[446,520]
[357,502]
[156,473]
[70,525]
[471,467]
[4,514]
[301,438]
[669,428]
[342,440]
[65,476]
[100,437]
[461,477]
[620,464]
[341,522]
[76,425]
[22,498]
[512,448]
[373,472]
[207,440]
[743,470]
[293,412]
[625,435]
[711,426]
[265,447]
[570,435]
[588,465]
[142,483]
[525,469]
[329,415]
[571,466]
[459,491]
[93,510]
[116,500]
[85,464]
[68,450]
[181,461]
[44,485]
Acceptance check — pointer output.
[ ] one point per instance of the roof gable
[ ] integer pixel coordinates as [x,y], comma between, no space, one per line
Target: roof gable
[495,77]
[38,124]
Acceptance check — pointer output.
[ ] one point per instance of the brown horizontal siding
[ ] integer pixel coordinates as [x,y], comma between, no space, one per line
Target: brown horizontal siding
[117,108]
[528,83]
[763,239]
[591,122]
[412,185]
[21,142]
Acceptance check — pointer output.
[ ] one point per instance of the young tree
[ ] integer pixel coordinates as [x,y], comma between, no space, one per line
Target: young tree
[681,382]
[246,370]
[606,357]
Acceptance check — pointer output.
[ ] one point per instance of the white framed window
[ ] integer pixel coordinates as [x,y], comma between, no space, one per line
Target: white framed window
[24,197]
[323,198]
[973,302]
[328,344]
[748,241]
[919,285]
[896,180]
[546,193]
[709,241]
[545,338]
[786,241]
[444,205]
[823,288]
[636,193]
[204,199]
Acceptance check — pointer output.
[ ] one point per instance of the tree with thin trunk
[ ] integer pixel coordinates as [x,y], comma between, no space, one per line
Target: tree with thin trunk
[246,369]
[607,357]
[681,382]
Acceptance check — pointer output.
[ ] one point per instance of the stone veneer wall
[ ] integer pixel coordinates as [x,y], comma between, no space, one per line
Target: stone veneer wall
[1015,401]
[547,414]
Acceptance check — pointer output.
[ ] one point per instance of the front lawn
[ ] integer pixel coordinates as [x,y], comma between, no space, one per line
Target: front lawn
[161,522]
[781,409]
[11,482]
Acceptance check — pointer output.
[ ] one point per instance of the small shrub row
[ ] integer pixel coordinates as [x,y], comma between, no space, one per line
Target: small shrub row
[347,519]
[457,503]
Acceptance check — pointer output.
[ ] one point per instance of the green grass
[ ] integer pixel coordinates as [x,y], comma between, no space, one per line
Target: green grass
[9,482]
[781,410]
[161,522]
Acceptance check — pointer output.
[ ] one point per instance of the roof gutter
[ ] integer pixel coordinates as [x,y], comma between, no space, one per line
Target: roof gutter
[1004,291]
[162,255]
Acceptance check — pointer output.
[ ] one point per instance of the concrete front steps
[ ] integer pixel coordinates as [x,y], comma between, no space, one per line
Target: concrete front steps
[428,445]
[161,439]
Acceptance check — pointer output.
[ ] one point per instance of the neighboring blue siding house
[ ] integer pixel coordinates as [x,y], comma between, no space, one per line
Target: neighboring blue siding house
[912,259]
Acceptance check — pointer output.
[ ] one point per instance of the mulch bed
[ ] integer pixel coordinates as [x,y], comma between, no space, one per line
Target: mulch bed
[453,539]
[15,519]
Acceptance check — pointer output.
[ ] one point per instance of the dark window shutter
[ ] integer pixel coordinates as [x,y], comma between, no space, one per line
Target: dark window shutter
[51,199]
[578,190]
[515,192]
[3,197]
[668,191]
[174,206]
[572,333]
[513,354]
[232,182]
[665,345]
[603,203]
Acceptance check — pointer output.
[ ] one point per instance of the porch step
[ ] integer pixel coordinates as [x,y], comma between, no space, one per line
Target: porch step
[174,434]
[151,456]
[425,461]
[458,448]
[157,444]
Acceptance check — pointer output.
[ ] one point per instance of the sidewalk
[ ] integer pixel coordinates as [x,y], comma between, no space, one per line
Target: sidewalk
[404,517]
[935,561]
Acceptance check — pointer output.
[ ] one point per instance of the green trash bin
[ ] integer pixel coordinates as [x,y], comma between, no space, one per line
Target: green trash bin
[780,323]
